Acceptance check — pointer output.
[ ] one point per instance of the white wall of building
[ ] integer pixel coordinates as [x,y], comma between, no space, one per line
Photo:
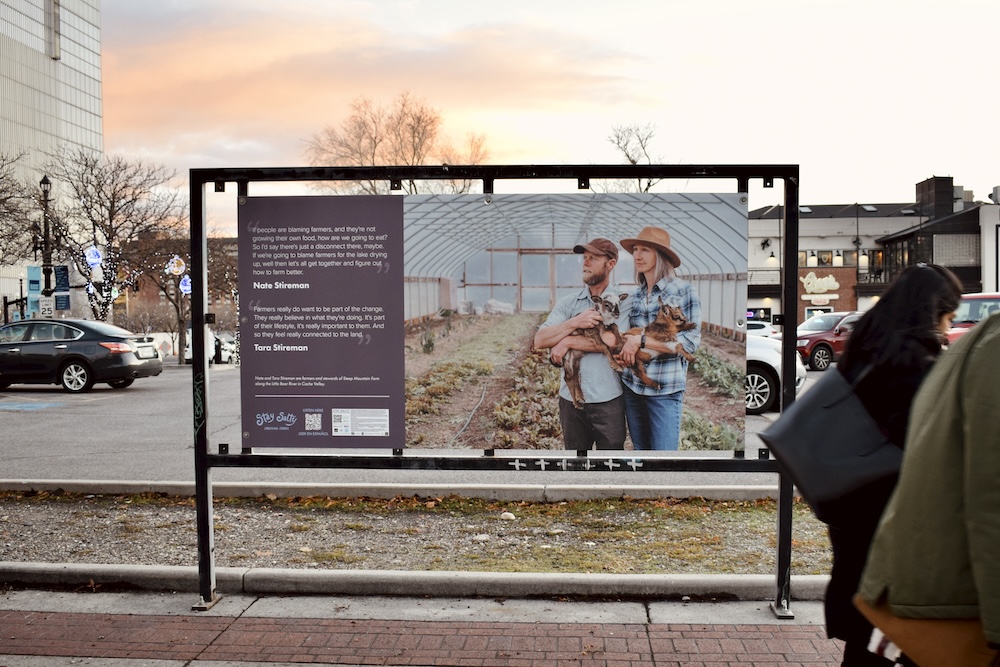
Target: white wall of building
[50,88]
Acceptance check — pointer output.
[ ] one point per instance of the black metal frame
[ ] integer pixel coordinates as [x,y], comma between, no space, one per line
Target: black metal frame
[490,460]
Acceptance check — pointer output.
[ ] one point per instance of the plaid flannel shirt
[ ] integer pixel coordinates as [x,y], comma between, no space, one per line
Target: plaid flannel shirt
[670,371]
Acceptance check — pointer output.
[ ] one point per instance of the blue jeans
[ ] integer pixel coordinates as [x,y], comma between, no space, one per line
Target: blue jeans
[654,422]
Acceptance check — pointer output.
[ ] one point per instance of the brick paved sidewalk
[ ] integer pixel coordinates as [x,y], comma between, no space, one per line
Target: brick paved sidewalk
[387,642]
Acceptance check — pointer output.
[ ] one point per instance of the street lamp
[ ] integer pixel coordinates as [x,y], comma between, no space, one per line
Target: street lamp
[20,293]
[46,185]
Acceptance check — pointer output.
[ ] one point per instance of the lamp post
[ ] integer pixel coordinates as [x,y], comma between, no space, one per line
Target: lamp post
[46,185]
[20,293]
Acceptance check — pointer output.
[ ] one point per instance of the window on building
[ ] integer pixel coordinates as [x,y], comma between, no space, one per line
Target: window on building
[53,29]
[957,249]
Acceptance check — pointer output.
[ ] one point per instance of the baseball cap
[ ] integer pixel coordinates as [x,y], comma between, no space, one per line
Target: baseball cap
[598,246]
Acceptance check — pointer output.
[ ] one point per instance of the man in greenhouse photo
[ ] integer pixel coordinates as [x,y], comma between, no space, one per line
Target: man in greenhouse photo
[600,419]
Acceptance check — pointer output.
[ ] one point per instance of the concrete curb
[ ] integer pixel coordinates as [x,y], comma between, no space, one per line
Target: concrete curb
[274,581]
[505,492]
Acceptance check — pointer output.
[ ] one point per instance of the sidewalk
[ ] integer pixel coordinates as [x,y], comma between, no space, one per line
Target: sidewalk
[49,629]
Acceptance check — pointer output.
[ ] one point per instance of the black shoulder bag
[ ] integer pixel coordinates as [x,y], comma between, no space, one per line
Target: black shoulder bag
[829,445]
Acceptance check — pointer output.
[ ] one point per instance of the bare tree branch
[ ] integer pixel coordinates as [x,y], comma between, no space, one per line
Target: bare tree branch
[406,133]
[633,142]
[475,152]
[111,203]
[17,207]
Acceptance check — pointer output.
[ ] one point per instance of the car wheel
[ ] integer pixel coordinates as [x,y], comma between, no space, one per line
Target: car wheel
[76,377]
[121,384]
[762,389]
[820,358]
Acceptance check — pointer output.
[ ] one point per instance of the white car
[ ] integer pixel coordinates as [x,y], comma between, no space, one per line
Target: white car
[763,379]
[765,329]
[224,353]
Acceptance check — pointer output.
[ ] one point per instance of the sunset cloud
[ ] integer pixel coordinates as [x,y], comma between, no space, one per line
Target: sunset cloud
[251,93]
[866,105]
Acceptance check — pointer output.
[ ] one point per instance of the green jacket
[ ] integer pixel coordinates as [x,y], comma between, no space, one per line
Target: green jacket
[937,550]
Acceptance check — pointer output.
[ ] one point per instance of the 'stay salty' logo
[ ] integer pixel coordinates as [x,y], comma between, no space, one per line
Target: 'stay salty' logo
[286,418]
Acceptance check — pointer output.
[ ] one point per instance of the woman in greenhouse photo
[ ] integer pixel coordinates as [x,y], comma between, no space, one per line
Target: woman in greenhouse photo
[653,406]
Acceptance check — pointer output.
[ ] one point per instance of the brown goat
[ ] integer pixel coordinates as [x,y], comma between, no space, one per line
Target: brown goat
[608,308]
[669,322]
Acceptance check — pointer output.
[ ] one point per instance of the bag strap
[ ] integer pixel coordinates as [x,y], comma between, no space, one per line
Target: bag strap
[869,367]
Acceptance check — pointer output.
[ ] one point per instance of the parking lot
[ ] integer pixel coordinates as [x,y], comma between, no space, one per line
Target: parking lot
[145,432]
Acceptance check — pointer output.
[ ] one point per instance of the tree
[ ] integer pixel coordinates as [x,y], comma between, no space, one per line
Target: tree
[633,142]
[407,133]
[145,317]
[111,203]
[16,209]
[158,254]
[157,282]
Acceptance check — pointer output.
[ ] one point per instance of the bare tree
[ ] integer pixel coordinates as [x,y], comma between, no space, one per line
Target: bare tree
[224,281]
[406,133]
[160,276]
[157,269]
[110,203]
[633,142]
[16,208]
[147,316]
[476,152]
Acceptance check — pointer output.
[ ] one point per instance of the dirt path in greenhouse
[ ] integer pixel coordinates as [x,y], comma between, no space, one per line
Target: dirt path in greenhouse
[465,416]
[504,341]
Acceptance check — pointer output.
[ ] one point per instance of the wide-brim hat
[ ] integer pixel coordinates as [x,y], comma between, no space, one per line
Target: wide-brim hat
[654,237]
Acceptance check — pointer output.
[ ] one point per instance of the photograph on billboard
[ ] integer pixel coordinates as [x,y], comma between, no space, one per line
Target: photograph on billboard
[608,321]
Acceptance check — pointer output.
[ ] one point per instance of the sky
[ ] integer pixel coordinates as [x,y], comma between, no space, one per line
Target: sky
[869,97]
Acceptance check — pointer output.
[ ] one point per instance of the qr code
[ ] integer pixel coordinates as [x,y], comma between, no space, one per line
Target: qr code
[314,421]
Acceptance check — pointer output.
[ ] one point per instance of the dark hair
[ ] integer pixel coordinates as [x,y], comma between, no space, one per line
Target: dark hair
[902,328]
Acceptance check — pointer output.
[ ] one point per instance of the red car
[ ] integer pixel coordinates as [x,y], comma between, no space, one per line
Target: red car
[972,309]
[820,340]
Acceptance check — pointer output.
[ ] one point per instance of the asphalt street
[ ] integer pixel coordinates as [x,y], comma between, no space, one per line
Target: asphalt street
[145,432]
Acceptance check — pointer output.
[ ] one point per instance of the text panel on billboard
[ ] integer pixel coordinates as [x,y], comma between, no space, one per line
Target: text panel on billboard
[321,310]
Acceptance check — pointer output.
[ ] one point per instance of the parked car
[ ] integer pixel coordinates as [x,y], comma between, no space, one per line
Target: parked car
[766,329]
[972,309]
[821,339]
[227,347]
[221,347]
[74,353]
[763,379]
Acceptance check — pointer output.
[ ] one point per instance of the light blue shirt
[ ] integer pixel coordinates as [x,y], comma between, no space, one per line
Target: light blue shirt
[599,382]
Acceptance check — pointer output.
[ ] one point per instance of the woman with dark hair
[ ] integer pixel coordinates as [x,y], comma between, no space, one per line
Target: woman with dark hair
[887,356]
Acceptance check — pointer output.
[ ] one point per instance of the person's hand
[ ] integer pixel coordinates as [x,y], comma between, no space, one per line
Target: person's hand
[558,351]
[588,319]
[630,349]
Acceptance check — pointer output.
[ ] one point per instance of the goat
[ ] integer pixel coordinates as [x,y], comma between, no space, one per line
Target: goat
[669,322]
[608,308]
